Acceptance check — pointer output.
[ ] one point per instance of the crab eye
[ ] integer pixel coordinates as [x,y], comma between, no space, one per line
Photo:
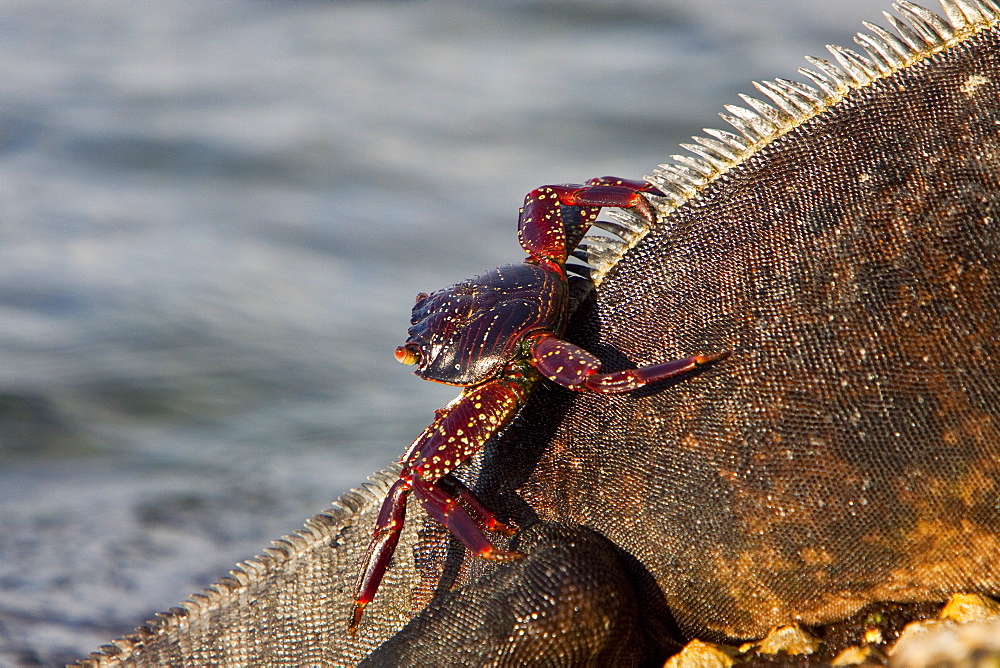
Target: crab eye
[408,354]
[421,296]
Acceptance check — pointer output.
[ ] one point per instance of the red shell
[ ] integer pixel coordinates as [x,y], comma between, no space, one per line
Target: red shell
[467,333]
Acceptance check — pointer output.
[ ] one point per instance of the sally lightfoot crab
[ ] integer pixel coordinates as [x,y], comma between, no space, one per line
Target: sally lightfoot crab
[496,335]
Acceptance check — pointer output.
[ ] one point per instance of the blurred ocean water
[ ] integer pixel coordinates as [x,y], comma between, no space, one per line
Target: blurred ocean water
[214,217]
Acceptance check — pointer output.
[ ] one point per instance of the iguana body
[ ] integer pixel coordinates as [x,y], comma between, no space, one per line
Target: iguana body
[849,451]
[845,455]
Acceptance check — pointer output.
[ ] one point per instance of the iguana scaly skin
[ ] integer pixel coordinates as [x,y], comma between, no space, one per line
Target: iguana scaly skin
[849,450]
[845,247]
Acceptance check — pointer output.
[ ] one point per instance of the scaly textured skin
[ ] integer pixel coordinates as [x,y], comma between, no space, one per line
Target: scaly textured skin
[846,454]
[849,451]
[591,611]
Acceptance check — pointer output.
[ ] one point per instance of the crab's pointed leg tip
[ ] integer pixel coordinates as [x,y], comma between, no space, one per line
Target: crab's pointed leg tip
[501,527]
[496,554]
[359,609]
[505,529]
[715,357]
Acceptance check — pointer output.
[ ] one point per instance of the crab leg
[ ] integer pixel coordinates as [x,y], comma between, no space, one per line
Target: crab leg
[483,516]
[458,432]
[575,368]
[388,528]
[545,233]
[464,426]
[450,514]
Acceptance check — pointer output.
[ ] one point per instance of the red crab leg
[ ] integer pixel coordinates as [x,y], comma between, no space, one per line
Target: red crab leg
[459,430]
[464,426]
[450,514]
[388,528]
[456,489]
[542,229]
[575,368]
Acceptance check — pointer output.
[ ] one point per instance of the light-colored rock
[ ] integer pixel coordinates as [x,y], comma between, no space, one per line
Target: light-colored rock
[859,656]
[698,654]
[969,608]
[948,643]
[791,639]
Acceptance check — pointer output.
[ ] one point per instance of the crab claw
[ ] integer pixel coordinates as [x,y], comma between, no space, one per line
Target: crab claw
[407,355]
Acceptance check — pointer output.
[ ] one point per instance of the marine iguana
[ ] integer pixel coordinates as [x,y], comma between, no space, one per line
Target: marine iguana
[844,246]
